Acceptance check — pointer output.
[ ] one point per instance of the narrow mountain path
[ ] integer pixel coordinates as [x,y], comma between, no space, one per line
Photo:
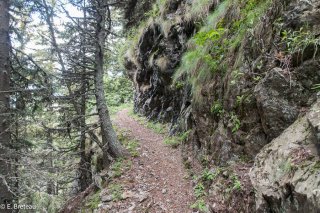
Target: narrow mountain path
[157,180]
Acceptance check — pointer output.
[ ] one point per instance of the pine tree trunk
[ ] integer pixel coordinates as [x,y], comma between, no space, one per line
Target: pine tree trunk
[109,137]
[50,183]
[85,178]
[5,167]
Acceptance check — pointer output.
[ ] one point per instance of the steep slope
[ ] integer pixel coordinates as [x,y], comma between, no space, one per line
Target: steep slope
[237,73]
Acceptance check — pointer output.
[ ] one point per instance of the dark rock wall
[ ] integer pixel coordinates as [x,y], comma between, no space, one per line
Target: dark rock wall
[157,55]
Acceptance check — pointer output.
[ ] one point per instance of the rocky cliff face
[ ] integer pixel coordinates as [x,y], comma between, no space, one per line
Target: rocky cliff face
[286,171]
[153,61]
[264,82]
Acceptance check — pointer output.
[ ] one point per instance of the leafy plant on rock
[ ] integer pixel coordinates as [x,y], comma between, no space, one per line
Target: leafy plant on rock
[199,190]
[236,124]
[200,205]
[217,108]
[208,175]
[298,41]
[175,141]
[116,191]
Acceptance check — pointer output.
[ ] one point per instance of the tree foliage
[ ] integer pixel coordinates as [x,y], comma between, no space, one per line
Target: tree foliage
[55,137]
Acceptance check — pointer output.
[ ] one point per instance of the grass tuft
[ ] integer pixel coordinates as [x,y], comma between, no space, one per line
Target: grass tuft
[116,191]
[175,141]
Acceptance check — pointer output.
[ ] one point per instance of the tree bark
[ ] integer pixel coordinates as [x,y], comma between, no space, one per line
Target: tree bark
[50,183]
[85,177]
[111,144]
[6,196]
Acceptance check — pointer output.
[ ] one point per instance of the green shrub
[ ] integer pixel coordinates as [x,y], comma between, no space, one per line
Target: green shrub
[93,201]
[117,168]
[217,108]
[172,141]
[116,191]
[250,14]
[199,190]
[184,136]
[132,146]
[156,127]
[207,175]
[243,99]
[179,85]
[200,205]
[236,124]
[175,141]
[212,35]
[236,183]
[297,41]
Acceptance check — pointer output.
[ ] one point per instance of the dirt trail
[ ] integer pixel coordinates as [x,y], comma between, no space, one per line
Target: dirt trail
[157,181]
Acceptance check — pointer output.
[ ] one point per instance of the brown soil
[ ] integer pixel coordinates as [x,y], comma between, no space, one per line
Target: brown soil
[157,180]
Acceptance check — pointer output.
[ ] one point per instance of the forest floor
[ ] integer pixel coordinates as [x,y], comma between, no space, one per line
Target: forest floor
[156,180]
